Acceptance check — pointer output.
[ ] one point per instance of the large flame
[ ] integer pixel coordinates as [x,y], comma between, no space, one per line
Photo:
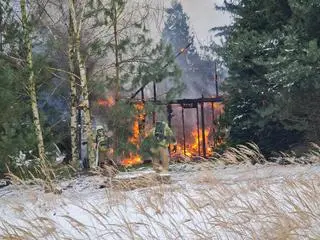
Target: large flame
[193,146]
[194,142]
[135,159]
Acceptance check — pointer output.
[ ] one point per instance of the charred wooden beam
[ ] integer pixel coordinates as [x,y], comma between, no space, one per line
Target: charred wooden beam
[203,131]
[188,103]
[213,125]
[184,132]
[169,114]
[142,95]
[198,131]
[154,100]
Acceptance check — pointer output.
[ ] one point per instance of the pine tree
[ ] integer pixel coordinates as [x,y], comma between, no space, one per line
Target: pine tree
[134,60]
[295,71]
[196,71]
[16,127]
[255,39]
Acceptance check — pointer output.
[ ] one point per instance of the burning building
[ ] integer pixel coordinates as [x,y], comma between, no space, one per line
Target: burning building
[194,122]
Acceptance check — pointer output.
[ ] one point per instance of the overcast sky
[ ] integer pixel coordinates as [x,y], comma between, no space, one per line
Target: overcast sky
[202,17]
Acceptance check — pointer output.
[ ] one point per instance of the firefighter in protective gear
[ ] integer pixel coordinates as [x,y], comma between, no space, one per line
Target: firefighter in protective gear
[103,147]
[161,136]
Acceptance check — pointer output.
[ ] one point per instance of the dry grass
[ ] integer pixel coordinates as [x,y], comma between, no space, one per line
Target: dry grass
[310,157]
[143,181]
[201,206]
[249,153]
[44,174]
[289,210]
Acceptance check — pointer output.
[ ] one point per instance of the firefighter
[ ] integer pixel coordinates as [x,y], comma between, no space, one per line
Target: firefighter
[103,147]
[160,136]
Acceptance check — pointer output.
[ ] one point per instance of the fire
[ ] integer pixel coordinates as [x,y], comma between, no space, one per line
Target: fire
[193,146]
[218,106]
[108,102]
[135,159]
[134,139]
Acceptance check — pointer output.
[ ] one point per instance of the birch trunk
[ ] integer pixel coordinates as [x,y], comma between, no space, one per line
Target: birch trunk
[73,95]
[31,79]
[116,52]
[117,85]
[87,126]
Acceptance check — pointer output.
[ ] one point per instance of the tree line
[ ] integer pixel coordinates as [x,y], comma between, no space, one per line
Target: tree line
[272,54]
[58,58]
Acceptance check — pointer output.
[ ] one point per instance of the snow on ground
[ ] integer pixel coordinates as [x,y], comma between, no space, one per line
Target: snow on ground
[234,202]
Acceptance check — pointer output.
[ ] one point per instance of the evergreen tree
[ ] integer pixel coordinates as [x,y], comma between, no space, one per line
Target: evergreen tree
[272,53]
[196,72]
[16,129]
[17,137]
[295,71]
[254,40]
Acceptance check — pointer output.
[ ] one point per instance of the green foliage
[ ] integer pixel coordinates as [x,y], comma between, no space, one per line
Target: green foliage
[272,53]
[16,129]
[140,60]
[17,138]
[176,30]
[137,60]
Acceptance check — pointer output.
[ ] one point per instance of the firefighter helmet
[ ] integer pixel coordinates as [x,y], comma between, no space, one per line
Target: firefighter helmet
[99,127]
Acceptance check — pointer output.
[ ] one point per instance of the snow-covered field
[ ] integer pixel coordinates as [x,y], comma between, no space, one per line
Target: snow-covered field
[201,202]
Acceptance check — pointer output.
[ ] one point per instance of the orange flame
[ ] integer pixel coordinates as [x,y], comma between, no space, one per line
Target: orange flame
[134,139]
[192,147]
[132,160]
[108,102]
[194,144]
[135,159]
[219,107]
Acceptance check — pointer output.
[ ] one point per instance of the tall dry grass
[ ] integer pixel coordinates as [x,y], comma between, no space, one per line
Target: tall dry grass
[199,205]
[43,173]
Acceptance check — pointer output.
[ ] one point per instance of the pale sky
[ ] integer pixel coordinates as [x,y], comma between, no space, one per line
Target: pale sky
[204,16]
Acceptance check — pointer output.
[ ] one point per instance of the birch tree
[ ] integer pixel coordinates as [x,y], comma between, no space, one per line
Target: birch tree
[73,93]
[76,18]
[31,84]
